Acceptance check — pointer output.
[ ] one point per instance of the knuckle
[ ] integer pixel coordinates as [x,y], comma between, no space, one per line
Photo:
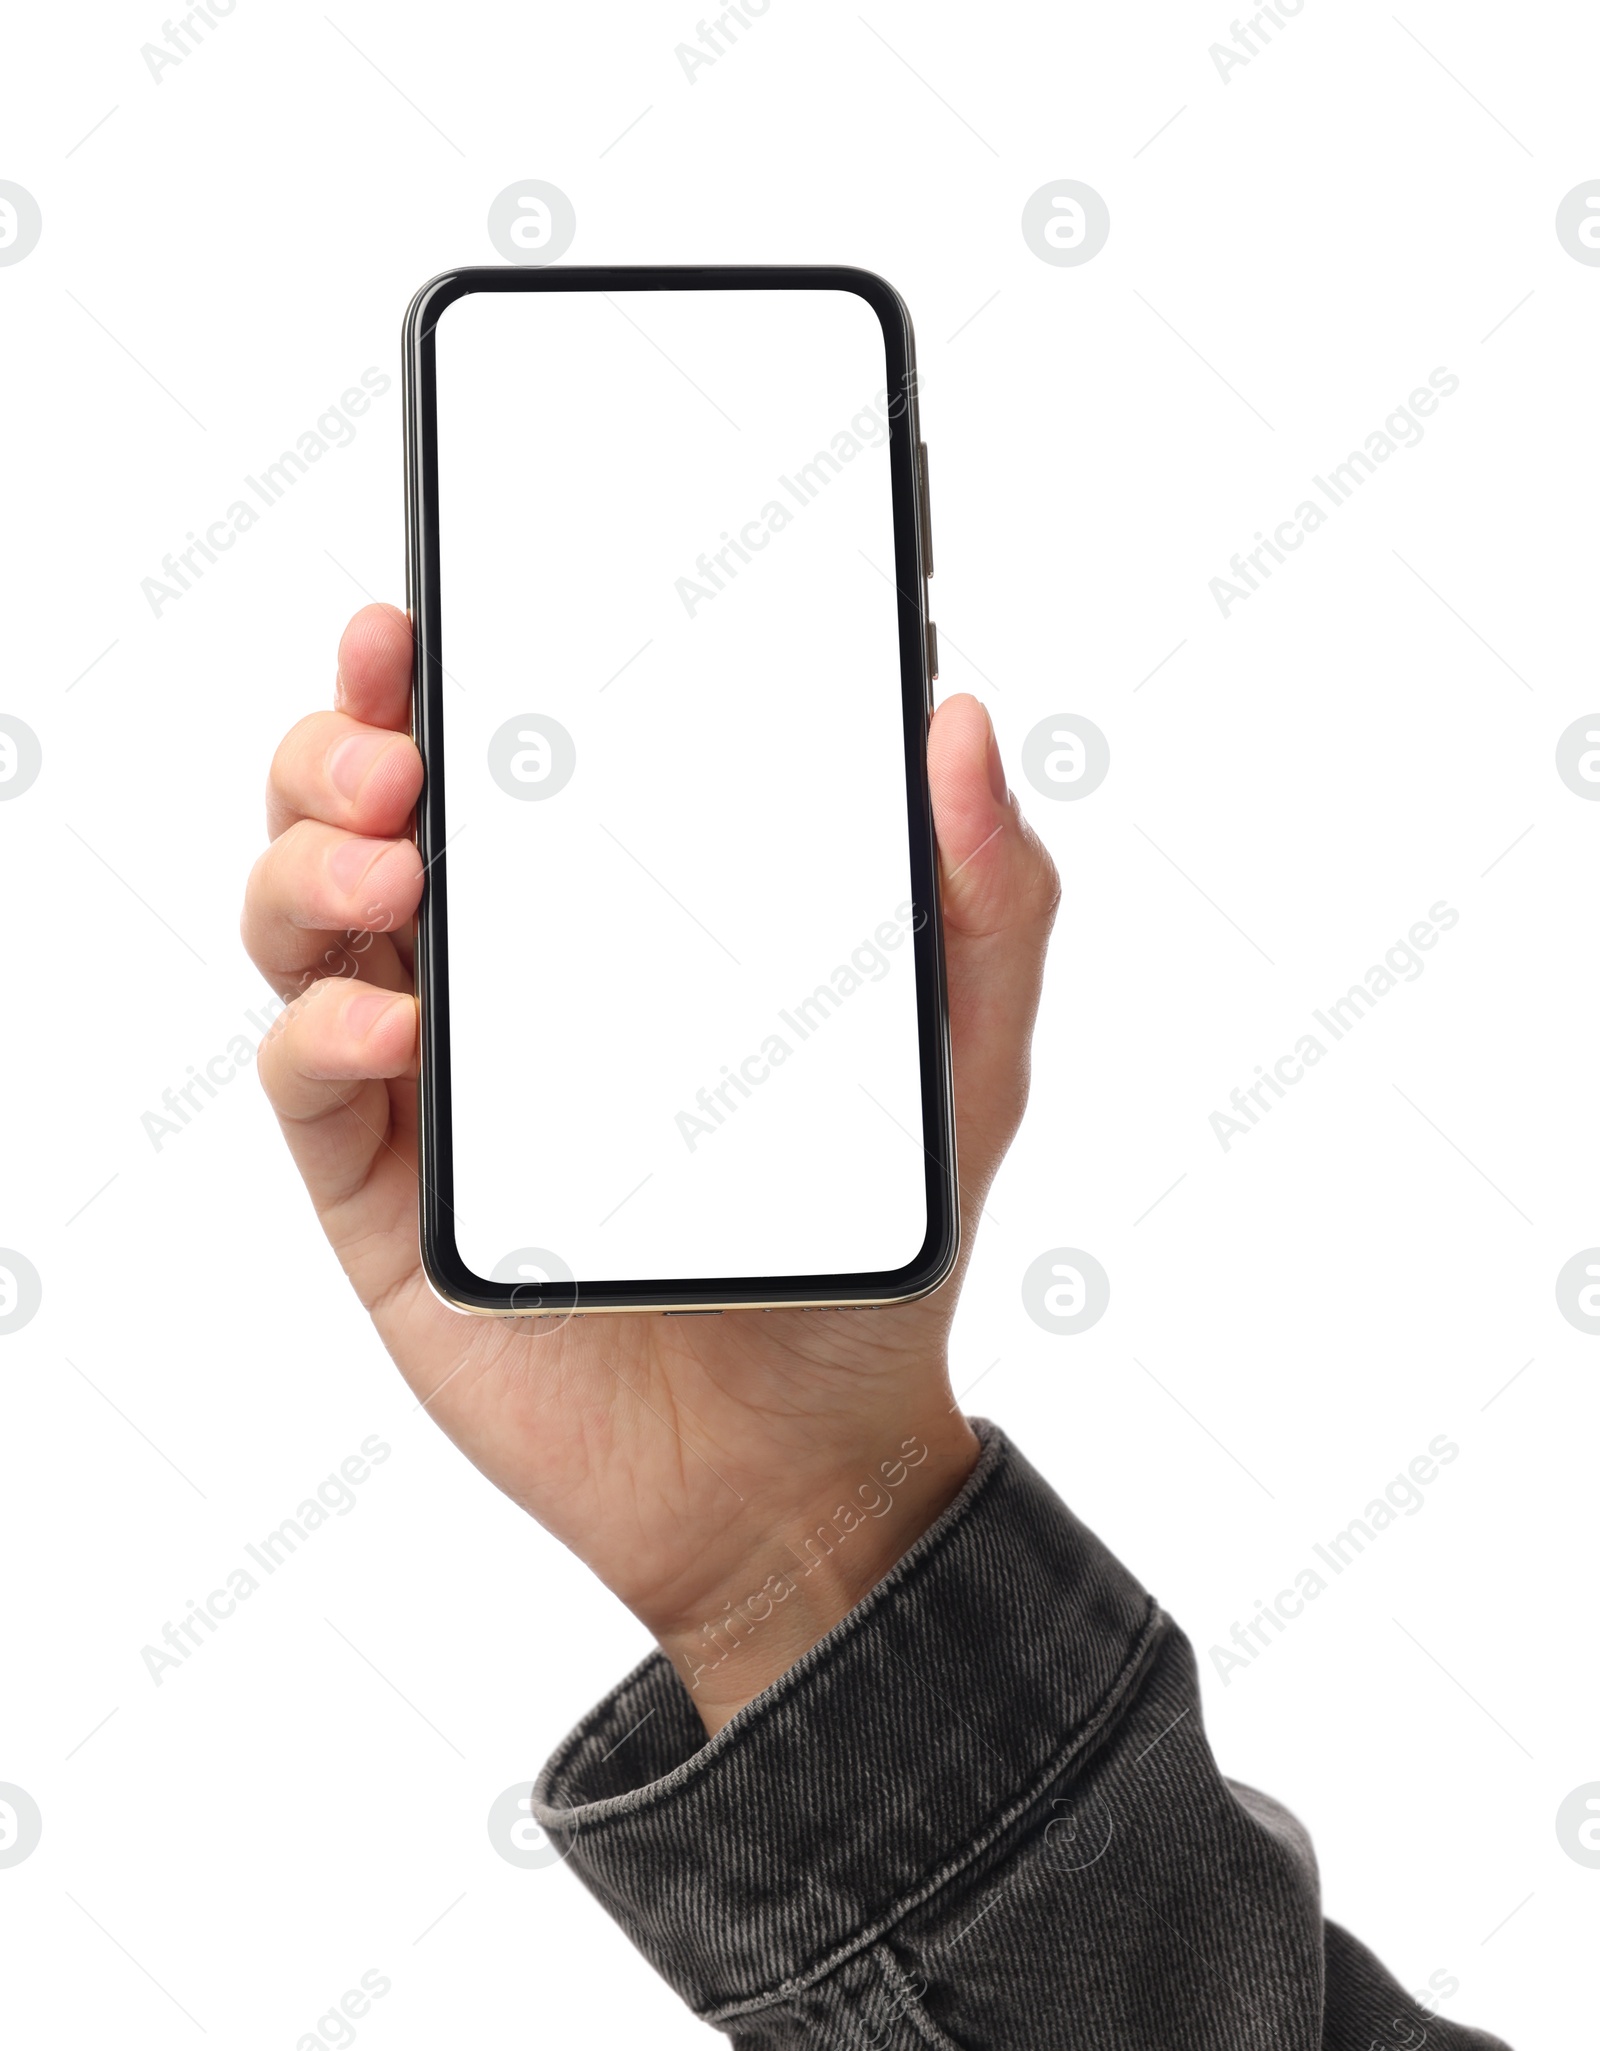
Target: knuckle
[1043,878]
[274,1042]
[257,886]
[272,891]
[292,842]
[283,775]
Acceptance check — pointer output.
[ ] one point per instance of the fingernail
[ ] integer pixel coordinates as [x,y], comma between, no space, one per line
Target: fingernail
[350,860]
[363,1011]
[351,762]
[997,771]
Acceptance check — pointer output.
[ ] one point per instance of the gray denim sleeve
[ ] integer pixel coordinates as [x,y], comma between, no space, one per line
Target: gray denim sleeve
[980,1813]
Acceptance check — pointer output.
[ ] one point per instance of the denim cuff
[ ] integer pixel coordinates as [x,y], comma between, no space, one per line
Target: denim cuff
[897,1751]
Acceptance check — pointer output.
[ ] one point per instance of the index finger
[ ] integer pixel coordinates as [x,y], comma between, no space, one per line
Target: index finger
[373,682]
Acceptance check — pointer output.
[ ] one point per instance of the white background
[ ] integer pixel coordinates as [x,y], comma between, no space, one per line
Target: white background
[1300,246]
[735,826]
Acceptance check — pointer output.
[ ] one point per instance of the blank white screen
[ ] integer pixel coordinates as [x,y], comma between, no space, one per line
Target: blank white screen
[627,950]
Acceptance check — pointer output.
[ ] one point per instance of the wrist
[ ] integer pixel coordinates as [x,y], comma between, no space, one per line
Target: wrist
[801,1570]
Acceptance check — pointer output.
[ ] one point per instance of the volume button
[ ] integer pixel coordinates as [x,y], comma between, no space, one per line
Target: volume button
[927,509]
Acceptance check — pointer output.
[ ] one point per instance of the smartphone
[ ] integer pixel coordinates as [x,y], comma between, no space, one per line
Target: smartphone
[679,957]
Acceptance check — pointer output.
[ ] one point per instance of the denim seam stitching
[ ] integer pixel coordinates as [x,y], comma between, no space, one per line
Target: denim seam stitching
[1155,1624]
[910,2001]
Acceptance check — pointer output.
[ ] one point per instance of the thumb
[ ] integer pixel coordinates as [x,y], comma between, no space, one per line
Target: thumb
[999,890]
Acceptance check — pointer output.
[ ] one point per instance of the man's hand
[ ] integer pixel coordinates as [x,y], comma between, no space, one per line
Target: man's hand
[689,1462]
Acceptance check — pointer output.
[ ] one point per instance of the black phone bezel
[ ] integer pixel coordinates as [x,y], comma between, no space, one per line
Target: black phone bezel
[442,1262]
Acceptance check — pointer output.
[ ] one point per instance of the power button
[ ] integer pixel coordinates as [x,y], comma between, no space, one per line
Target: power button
[926,507]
